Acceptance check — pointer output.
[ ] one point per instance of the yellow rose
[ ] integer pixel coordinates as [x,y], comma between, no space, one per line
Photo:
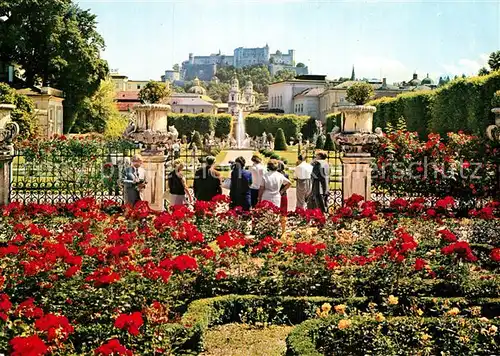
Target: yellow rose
[344,324]
[372,305]
[392,300]
[340,309]
[484,320]
[419,312]
[326,307]
[425,337]
[453,311]
[318,311]
[464,339]
[493,329]
[379,317]
[476,311]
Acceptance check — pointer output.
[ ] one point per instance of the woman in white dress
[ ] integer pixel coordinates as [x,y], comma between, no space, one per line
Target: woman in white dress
[274,184]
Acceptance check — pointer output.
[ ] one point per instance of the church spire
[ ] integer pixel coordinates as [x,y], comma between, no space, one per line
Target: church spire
[353,75]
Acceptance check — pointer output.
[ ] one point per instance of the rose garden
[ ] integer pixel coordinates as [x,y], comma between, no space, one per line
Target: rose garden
[412,273]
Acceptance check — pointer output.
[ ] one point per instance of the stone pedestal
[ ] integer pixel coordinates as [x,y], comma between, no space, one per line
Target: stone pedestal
[5,178]
[357,177]
[154,164]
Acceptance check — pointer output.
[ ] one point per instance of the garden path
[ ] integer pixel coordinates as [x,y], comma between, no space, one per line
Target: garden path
[246,340]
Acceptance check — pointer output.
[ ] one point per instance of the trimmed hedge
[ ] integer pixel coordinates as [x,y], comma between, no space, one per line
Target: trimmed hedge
[187,337]
[292,125]
[333,120]
[203,123]
[463,104]
[395,336]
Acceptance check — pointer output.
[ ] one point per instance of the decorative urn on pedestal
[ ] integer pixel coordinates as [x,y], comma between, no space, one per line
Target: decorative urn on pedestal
[354,136]
[148,126]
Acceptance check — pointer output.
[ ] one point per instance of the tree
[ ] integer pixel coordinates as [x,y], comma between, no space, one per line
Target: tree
[154,93]
[320,142]
[56,43]
[329,145]
[494,60]
[196,140]
[301,65]
[483,71]
[280,142]
[24,113]
[177,89]
[359,93]
[284,74]
[176,67]
[98,110]
[218,91]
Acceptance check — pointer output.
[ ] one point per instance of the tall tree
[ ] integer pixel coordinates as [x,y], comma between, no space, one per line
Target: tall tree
[57,44]
[218,91]
[494,60]
[98,110]
[176,67]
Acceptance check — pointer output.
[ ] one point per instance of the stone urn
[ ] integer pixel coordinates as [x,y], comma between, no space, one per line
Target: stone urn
[356,131]
[493,131]
[354,135]
[148,126]
[8,129]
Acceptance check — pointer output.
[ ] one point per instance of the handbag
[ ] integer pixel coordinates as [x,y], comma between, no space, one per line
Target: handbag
[227,183]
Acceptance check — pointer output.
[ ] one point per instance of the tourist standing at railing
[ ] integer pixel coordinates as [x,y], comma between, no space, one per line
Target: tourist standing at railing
[320,181]
[303,173]
[258,170]
[134,181]
[274,184]
[207,181]
[177,186]
[241,179]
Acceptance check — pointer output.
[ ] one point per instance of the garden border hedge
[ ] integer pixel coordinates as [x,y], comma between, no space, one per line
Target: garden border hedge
[185,124]
[303,339]
[188,335]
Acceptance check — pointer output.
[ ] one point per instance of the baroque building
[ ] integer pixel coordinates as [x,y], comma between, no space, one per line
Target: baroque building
[240,100]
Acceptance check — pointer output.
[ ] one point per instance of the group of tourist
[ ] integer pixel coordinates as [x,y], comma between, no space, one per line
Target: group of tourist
[247,186]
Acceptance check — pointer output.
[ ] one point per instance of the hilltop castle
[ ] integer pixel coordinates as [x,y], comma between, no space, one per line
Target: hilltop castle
[205,67]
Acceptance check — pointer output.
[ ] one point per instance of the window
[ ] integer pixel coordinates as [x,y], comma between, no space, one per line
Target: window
[138,86]
[181,111]
[232,97]
[202,110]
[193,110]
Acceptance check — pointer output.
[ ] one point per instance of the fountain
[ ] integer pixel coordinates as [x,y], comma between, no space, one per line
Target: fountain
[241,137]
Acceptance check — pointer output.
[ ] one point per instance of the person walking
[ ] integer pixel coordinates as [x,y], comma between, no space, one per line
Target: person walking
[284,196]
[134,181]
[241,179]
[274,184]
[207,181]
[303,172]
[258,170]
[177,186]
[320,183]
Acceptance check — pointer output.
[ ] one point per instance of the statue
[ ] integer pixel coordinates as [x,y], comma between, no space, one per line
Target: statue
[173,131]
[299,138]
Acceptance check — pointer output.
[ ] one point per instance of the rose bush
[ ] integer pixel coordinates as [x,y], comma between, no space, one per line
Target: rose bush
[100,278]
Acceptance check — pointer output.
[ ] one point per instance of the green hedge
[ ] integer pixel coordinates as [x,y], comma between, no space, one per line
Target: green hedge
[292,125]
[187,337]
[203,123]
[395,336]
[333,120]
[463,104]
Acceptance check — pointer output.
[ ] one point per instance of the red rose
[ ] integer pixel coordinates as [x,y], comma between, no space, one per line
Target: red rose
[112,347]
[420,264]
[56,326]
[28,346]
[221,275]
[495,254]
[130,322]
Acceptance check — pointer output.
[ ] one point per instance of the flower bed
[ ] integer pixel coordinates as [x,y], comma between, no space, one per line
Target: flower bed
[100,278]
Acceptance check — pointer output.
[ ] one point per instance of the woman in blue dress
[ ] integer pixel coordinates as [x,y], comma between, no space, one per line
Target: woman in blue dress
[241,179]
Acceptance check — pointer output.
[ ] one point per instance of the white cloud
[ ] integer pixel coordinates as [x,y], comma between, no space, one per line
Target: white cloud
[381,67]
[466,66]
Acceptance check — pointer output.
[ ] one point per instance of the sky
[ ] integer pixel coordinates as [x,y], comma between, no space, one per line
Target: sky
[391,39]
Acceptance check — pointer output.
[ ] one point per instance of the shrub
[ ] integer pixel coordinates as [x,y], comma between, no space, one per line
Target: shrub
[256,124]
[320,142]
[203,123]
[359,93]
[115,127]
[333,120]
[196,139]
[309,129]
[329,144]
[280,142]
[154,93]
[24,113]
